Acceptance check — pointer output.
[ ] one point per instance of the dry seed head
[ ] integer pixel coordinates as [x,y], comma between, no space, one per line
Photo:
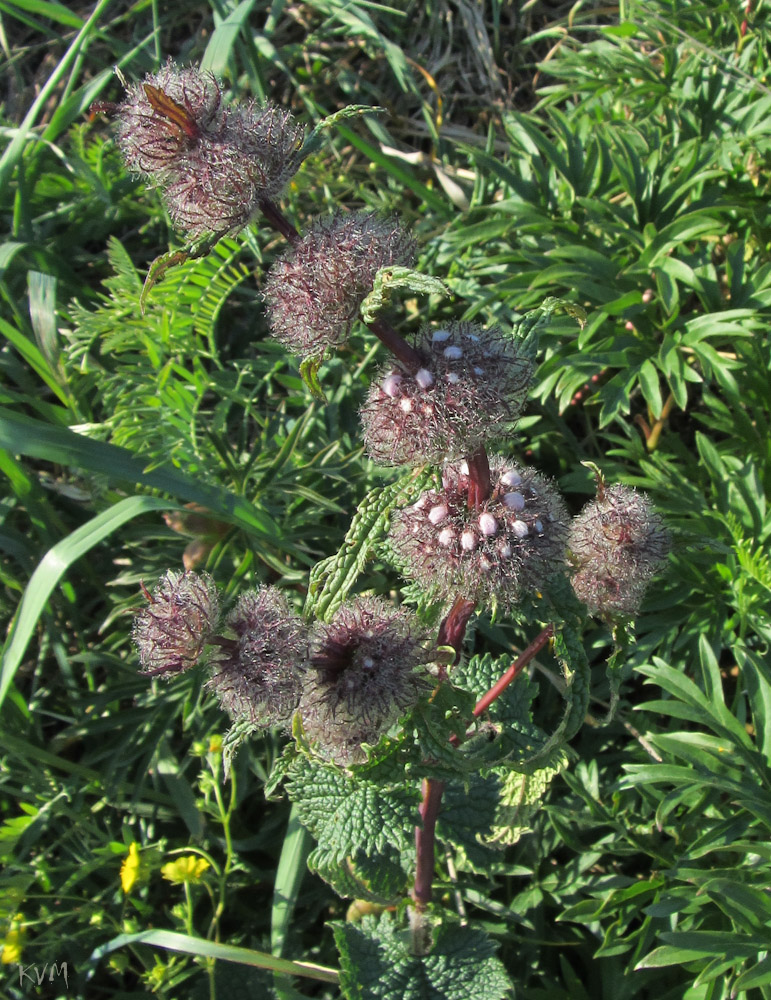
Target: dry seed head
[257,677]
[364,673]
[171,632]
[515,542]
[314,290]
[615,545]
[212,164]
[470,390]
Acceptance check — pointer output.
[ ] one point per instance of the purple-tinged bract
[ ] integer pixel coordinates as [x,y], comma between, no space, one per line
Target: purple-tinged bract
[212,163]
[257,676]
[615,545]
[512,544]
[470,390]
[365,672]
[172,632]
[314,292]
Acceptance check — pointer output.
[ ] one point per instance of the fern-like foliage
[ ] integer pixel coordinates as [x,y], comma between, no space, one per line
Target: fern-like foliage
[147,379]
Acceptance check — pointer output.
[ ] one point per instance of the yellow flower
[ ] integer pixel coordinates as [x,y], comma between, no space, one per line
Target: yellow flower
[187,869]
[131,869]
[12,944]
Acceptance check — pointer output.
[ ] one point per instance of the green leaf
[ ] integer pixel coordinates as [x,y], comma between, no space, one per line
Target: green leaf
[752,978]
[467,816]
[520,799]
[347,816]
[331,580]
[51,569]
[309,372]
[201,947]
[388,279]
[649,383]
[315,140]
[380,879]
[289,877]
[377,963]
[22,435]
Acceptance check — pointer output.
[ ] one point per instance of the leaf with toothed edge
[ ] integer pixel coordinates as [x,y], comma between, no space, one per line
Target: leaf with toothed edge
[331,580]
[388,279]
[380,879]
[315,140]
[347,815]
[309,372]
[377,962]
[166,261]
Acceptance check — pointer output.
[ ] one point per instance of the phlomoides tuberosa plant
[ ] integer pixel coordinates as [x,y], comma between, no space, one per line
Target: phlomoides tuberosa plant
[399,742]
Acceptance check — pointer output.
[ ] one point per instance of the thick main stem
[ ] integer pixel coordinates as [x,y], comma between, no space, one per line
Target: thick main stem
[425,836]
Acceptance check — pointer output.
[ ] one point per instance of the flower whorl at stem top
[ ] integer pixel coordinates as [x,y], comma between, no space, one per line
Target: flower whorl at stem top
[363,675]
[171,632]
[314,291]
[257,676]
[513,543]
[615,546]
[470,390]
[213,164]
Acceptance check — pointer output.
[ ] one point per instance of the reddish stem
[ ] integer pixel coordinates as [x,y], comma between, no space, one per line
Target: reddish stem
[453,628]
[424,842]
[396,344]
[511,675]
[480,485]
[514,670]
[279,221]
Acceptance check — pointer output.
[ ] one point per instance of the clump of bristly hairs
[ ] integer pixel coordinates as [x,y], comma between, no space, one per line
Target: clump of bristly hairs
[257,676]
[172,632]
[615,546]
[514,542]
[314,291]
[470,390]
[212,164]
[365,672]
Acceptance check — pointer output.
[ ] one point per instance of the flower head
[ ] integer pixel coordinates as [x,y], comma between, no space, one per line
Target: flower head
[188,868]
[364,673]
[257,676]
[314,291]
[513,543]
[471,389]
[213,164]
[172,631]
[615,545]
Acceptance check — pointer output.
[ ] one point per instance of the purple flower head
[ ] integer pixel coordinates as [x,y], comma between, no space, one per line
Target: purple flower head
[257,675]
[615,545]
[314,291]
[470,390]
[364,673]
[171,632]
[514,542]
[212,164]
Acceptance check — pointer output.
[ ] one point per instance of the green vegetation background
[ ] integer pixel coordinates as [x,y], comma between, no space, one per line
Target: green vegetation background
[615,157]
